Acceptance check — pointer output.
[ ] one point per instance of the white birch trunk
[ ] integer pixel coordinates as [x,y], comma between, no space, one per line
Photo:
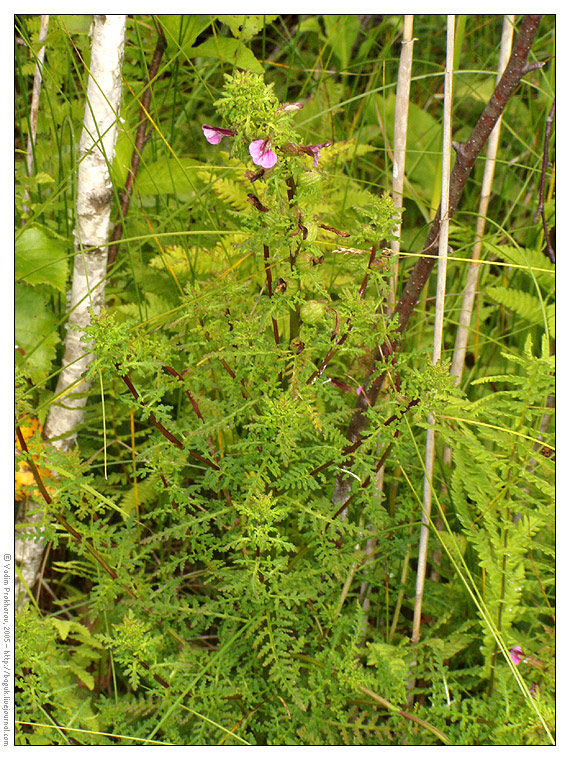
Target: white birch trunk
[94,200]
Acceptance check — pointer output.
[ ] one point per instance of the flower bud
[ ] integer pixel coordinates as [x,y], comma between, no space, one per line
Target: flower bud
[312,312]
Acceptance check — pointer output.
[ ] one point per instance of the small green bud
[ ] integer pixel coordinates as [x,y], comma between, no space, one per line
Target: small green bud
[312,312]
[311,232]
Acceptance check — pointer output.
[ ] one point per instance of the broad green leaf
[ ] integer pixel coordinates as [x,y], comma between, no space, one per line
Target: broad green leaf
[76,24]
[181,32]
[41,259]
[123,154]
[246,26]
[35,332]
[309,24]
[168,176]
[423,156]
[231,51]
[342,31]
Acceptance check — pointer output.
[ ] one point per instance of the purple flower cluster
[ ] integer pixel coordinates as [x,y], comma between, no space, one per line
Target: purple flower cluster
[261,151]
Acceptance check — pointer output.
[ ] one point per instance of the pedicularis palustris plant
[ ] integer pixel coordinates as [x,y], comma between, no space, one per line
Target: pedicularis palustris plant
[223,593]
[249,390]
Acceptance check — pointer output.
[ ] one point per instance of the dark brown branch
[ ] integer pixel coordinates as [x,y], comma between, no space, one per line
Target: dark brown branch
[467,153]
[540,211]
[143,135]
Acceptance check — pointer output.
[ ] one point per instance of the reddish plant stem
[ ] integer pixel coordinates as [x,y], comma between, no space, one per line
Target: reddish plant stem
[334,349]
[270,291]
[176,374]
[191,399]
[160,427]
[334,229]
[143,135]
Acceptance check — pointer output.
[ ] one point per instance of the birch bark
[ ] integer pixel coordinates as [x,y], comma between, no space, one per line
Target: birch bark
[93,225]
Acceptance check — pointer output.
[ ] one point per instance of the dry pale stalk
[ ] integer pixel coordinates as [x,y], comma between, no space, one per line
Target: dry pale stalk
[400,138]
[467,154]
[36,89]
[490,162]
[458,360]
[438,327]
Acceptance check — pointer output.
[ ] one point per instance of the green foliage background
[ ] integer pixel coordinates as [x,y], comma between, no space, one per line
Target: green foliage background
[239,610]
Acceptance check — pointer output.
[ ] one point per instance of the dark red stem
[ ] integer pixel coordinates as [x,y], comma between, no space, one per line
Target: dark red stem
[160,427]
[334,349]
[269,279]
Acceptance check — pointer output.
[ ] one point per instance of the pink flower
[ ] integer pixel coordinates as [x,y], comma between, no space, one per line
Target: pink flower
[262,154]
[214,135]
[517,655]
